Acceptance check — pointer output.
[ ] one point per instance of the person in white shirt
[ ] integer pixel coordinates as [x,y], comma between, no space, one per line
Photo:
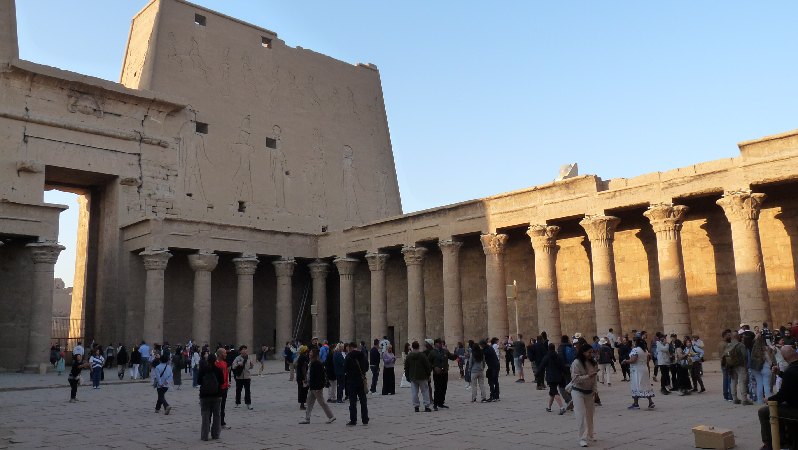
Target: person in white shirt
[78,350]
[97,362]
[195,361]
[144,349]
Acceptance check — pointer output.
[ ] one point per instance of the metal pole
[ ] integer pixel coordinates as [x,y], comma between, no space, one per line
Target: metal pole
[515,297]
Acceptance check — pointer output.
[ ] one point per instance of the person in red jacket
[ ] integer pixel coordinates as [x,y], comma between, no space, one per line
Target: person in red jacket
[221,355]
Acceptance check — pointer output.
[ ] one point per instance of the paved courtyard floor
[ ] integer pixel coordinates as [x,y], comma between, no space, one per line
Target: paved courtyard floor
[35,413]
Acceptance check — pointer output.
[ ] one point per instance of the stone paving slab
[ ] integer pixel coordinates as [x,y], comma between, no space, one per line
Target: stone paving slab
[35,413]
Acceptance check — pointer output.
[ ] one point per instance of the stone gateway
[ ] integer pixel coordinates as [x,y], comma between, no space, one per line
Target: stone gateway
[234,189]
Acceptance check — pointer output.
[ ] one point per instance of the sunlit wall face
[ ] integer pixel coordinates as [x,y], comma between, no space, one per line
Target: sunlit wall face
[67,233]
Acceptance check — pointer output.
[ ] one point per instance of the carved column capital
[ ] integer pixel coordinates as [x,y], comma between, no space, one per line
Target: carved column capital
[741,205]
[600,229]
[493,244]
[543,237]
[246,265]
[284,267]
[45,252]
[450,245]
[155,258]
[319,269]
[377,261]
[345,265]
[414,255]
[203,261]
[666,219]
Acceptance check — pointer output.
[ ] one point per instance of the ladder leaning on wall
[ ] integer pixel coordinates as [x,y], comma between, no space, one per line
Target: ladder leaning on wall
[299,324]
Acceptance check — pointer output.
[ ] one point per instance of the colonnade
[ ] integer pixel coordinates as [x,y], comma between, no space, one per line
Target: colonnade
[741,209]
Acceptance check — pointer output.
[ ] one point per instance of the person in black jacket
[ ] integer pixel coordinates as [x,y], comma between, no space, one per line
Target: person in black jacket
[332,379]
[355,384]
[541,349]
[301,374]
[552,367]
[374,364]
[493,365]
[787,397]
[121,360]
[315,384]
[210,395]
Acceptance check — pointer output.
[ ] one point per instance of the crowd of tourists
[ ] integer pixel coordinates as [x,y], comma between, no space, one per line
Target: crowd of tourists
[756,363]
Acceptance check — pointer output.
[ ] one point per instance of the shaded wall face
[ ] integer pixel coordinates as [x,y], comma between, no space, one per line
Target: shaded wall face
[709,272]
[15,269]
[519,265]
[224,288]
[301,292]
[473,288]
[637,274]
[574,286]
[396,288]
[136,280]
[178,314]
[362,280]
[264,290]
[433,292]
[778,229]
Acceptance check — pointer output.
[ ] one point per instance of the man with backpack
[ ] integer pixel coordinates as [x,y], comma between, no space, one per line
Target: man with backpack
[734,360]
[210,378]
[241,372]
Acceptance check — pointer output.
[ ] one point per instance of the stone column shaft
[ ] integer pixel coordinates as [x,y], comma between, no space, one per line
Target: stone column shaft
[742,210]
[155,261]
[498,322]
[245,269]
[544,245]
[666,220]
[318,273]
[452,298]
[379,299]
[346,271]
[416,313]
[203,264]
[284,268]
[45,255]
[601,232]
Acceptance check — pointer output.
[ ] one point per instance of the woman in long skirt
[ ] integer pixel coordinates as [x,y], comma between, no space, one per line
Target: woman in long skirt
[639,383]
[388,378]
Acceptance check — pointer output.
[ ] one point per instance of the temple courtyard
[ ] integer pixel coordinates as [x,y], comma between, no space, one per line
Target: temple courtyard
[120,415]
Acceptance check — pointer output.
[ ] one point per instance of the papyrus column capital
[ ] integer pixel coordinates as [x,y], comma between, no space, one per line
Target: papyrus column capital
[155,259]
[284,267]
[45,252]
[203,261]
[246,265]
[600,229]
[450,246]
[319,269]
[741,205]
[377,261]
[346,266]
[543,237]
[414,255]
[666,219]
[493,244]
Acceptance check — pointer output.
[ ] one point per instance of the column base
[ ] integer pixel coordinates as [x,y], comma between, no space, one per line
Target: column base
[41,368]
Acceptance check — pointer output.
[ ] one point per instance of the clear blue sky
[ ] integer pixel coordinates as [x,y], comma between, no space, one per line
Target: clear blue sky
[484,99]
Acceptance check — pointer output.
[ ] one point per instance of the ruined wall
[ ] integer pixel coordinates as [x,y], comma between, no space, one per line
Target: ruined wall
[295,140]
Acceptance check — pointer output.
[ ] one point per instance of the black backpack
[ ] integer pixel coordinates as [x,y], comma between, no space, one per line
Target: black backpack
[209,385]
[240,369]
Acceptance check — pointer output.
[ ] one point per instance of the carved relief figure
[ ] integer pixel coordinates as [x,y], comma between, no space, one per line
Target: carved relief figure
[249,75]
[85,104]
[382,192]
[242,178]
[279,171]
[224,72]
[350,186]
[172,54]
[314,176]
[192,156]
[197,61]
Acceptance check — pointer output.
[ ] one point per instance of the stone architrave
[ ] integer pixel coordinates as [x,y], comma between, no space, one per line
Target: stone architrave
[416,314]
[544,245]
[452,298]
[203,264]
[601,233]
[379,299]
[346,272]
[498,323]
[318,273]
[245,269]
[155,261]
[666,220]
[284,269]
[742,210]
[44,255]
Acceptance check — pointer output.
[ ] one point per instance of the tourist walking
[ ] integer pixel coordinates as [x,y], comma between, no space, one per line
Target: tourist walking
[74,375]
[315,384]
[242,371]
[492,372]
[178,364]
[162,378]
[388,376]
[301,376]
[97,362]
[356,385]
[332,378]
[210,381]
[606,357]
[221,363]
[122,359]
[624,352]
[639,383]
[417,371]
[339,363]
[734,360]
[135,362]
[374,364]
[583,385]
[144,366]
[552,367]
[476,372]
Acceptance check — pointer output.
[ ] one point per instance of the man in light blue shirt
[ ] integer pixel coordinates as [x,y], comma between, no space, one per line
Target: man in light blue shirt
[162,379]
[144,368]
